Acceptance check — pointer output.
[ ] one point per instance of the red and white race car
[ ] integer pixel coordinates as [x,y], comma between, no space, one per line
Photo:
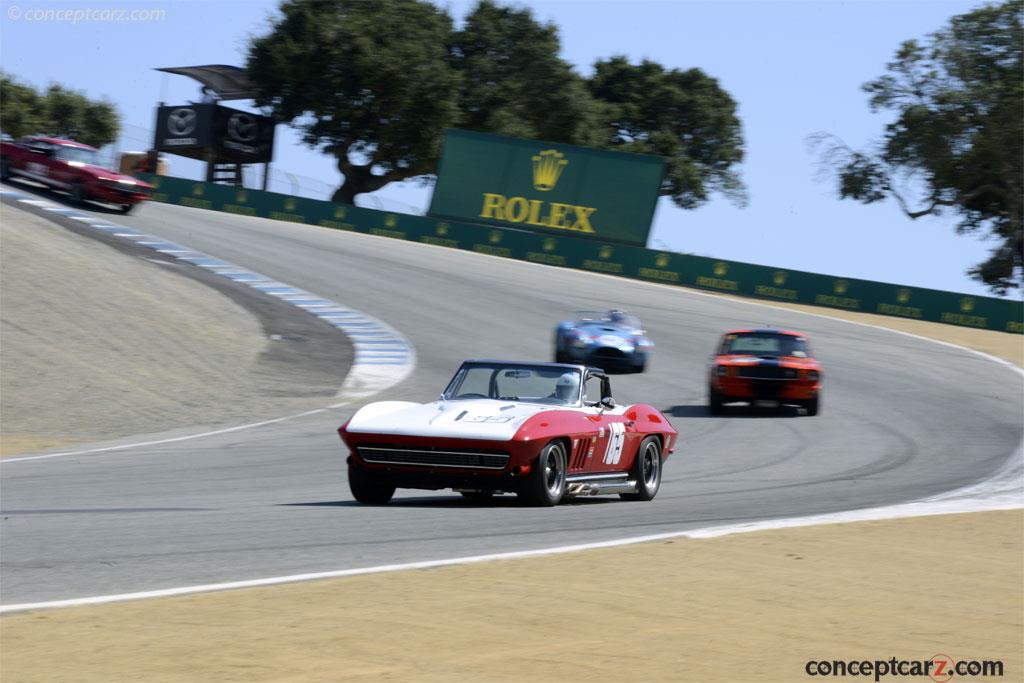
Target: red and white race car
[71,167]
[541,430]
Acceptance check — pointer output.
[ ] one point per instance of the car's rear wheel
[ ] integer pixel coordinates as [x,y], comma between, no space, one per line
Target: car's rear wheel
[5,169]
[646,470]
[127,208]
[813,405]
[545,484]
[715,404]
[368,487]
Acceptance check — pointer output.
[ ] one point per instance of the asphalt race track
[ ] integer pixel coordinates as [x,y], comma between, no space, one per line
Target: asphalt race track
[901,419]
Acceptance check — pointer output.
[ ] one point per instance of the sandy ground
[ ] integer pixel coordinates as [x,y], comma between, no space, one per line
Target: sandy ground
[97,344]
[751,607]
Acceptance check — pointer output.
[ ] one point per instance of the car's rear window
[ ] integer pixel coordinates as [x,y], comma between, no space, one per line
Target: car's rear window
[764,344]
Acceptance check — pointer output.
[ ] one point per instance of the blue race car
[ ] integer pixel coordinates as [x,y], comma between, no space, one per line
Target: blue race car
[611,340]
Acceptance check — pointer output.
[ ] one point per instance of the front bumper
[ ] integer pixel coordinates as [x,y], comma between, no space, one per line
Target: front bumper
[111,194]
[608,356]
[422,463]
[747,389]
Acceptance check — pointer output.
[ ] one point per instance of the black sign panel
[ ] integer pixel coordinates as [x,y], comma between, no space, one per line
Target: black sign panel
[215,133]
[242,137]
[183,128]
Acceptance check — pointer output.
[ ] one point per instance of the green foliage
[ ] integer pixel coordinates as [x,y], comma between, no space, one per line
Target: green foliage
[59,111]
[514,83]
[958,134]
[369,82]
[683,116]
[376,83]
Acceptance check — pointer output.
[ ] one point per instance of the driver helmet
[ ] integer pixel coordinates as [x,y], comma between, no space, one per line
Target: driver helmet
[616,316]
[566,386]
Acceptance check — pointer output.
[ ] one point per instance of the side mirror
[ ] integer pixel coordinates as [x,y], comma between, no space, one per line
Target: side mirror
[608,402]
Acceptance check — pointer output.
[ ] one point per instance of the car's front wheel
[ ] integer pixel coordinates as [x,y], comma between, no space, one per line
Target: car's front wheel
[369,488]
[77,193]
[646,470]
[127,208]
[716,406]
[545,484]
[813,405]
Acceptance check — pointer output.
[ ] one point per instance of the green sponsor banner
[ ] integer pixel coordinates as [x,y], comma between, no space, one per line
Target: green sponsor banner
[608,257]
[547,187]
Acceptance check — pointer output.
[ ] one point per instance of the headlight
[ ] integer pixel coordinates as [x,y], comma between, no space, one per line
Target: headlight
[721,370]
[580,342]
[813,375]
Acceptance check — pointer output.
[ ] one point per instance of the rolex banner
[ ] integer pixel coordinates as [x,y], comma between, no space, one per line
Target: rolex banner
[547,187]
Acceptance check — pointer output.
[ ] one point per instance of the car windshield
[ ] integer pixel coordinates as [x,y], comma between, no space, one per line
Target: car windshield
[506,382]
[610,317]
[79,154]
[764,344]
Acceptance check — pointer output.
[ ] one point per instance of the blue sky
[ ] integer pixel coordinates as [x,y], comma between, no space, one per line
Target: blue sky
[794,68]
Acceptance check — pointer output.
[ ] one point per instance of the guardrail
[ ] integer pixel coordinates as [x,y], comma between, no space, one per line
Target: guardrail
[731,277]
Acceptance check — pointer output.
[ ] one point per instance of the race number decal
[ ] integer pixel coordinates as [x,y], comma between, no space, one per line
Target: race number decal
[616,437]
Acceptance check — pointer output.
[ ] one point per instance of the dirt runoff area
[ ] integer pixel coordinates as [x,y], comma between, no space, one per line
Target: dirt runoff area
[749,607]
[125,346]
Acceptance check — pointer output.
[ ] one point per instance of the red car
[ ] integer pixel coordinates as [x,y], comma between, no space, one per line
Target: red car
[71,167]
[764,368]
[541,430]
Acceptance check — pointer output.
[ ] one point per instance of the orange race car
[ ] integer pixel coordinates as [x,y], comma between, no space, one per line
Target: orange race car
[765,368]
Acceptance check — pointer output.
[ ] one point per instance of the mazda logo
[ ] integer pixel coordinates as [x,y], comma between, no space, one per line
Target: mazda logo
[242,127]
[181,122]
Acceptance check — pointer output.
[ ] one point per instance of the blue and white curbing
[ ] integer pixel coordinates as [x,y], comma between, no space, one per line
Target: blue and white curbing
[383,357]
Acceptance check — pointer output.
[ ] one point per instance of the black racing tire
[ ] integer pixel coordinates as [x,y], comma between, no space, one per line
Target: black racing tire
[369,488]
[5,169]
[127,208]
[477,496]
[716,406]
[641,367]
[545,485]
[813,405]
[646,470]
[77,193]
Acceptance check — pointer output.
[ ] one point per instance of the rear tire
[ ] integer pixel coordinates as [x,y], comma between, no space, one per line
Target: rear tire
[127,208]
[545,484]
[813,405]
[715,404]
[646,470]
[369,488]
[5,169]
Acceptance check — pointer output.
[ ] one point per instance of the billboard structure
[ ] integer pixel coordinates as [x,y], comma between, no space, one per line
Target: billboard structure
[547,187]
[226,139]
